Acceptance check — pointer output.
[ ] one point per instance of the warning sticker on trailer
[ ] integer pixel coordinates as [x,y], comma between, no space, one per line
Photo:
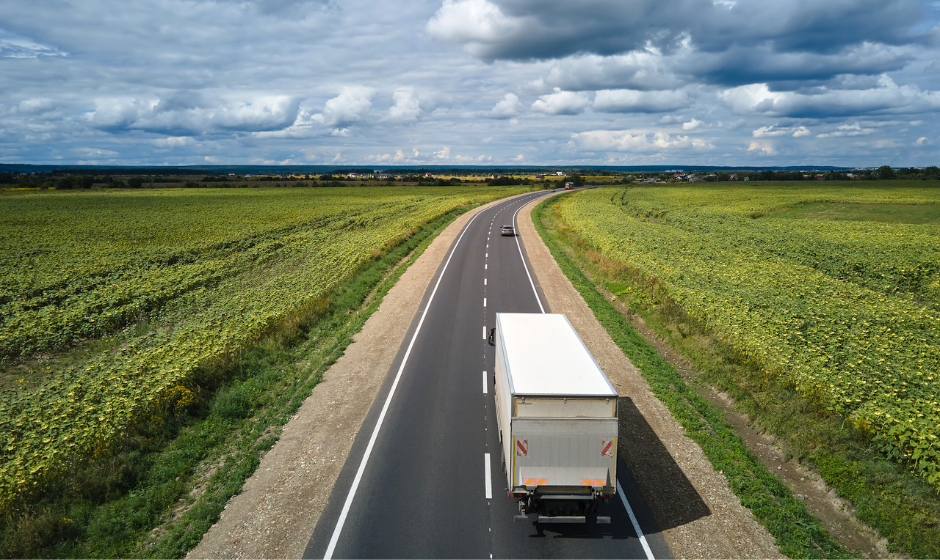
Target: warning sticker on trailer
[593,482]
[522,447]
[534,481]
[607,448]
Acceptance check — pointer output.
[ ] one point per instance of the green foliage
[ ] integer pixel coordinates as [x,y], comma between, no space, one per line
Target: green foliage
[846,312]
[118,516]
[210,272]
[885,172]
[798,534]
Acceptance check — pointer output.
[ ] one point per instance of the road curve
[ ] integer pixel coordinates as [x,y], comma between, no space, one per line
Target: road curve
[417,482]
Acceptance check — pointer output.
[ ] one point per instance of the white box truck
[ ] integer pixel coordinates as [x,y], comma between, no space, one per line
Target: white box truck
[557,418]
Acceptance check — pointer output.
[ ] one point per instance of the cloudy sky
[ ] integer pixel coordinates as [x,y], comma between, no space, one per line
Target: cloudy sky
[489,82]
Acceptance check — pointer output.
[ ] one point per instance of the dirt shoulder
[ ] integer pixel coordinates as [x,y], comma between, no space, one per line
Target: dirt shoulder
[699,514]
[280,504]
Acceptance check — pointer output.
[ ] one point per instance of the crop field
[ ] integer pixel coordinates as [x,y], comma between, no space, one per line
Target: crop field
[179,279]
[834,290]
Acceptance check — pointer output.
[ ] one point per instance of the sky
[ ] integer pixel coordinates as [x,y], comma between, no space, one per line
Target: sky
[387,83]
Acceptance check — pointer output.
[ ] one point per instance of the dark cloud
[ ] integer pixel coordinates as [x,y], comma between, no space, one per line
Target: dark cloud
[748,65]
[535,29]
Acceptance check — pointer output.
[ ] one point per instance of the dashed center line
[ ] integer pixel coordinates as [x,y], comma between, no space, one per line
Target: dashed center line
[485,384]
[484,302]
[489,477]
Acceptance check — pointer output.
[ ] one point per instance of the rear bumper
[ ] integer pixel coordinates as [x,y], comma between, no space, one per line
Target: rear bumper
[562,505]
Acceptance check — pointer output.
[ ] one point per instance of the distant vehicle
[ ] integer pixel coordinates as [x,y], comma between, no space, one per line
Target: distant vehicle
[507,230]
[569,186]
[557,418]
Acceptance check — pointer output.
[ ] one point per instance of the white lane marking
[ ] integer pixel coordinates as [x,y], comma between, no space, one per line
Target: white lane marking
[487,255]
[484,266]
[484,332]
[484,302]
[484,281]
[489,477]
[388,401]
[485,388]
[636,526]
[525,265]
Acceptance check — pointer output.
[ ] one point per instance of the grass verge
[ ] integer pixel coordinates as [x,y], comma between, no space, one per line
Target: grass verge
[157,492]
[798,534]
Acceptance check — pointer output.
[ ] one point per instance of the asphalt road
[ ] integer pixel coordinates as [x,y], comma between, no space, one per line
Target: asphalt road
[422,490]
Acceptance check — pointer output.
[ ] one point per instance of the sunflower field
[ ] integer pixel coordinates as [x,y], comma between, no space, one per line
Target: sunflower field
[847,311]
[209,271]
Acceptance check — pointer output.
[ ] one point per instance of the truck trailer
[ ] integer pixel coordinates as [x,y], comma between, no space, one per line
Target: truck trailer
[557,418]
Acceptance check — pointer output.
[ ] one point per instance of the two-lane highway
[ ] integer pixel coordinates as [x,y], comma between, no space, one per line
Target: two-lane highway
[424,478]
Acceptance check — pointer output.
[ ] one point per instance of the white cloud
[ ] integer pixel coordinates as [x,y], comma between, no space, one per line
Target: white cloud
[477,24]
[633,101]
[762,147]
[349,107]
[888,98]
[774,130]
[173,142]
[18,46]
[444,153]
[506,108]
[194,116]
[562,103]
[691,125]
[847,130]
[922,141]
[635,141]
[406,108]
[96,153]
[637,70]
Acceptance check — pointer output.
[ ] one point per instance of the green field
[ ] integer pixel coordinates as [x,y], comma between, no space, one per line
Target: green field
[111,302]
[833,290]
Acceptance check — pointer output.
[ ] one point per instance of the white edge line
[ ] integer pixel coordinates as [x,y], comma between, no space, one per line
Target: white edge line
[484,382]
[525,265]
[334,539]
[489,477]
[636,526]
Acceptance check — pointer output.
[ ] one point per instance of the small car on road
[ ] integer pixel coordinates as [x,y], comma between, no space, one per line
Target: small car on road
[507,230]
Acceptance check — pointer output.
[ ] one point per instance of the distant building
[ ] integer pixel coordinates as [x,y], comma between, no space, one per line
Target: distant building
[560,173]
[539,177]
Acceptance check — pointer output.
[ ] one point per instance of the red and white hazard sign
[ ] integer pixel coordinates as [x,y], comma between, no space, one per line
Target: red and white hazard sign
[607,448]
[522,447]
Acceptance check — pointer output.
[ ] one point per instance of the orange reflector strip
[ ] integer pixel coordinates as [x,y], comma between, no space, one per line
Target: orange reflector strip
[534,481]
[593,481]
